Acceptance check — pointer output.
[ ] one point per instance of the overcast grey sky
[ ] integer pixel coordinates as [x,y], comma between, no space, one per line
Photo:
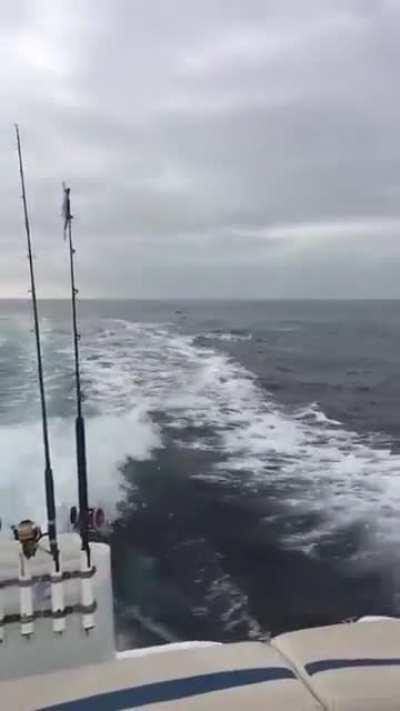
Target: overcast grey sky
[245,148]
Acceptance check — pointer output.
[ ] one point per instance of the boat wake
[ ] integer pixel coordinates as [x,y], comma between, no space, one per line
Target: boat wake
[148,384]
[204,399]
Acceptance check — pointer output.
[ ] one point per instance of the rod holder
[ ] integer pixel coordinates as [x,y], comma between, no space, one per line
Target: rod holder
[87,598]
[57,602]
[26,598]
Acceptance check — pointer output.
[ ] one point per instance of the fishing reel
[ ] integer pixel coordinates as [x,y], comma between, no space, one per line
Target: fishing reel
[28,534]
[95,519]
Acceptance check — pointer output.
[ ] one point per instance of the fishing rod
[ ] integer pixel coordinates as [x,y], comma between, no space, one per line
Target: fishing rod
[48,473]
[79,421]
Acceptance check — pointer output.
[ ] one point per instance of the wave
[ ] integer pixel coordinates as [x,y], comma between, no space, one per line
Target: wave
[313,412]
[233,336]
[110,439]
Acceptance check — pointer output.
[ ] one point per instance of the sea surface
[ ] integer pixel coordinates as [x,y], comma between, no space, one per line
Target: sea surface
[247,455]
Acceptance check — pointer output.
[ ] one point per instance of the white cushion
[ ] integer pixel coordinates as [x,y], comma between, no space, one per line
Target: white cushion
[350,667]
[234,677]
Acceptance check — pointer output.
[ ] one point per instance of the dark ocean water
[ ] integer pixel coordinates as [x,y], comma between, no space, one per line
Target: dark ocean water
[246,452]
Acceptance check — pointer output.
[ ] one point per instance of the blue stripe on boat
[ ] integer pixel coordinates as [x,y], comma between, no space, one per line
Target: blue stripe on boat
[174,689]
[330,664]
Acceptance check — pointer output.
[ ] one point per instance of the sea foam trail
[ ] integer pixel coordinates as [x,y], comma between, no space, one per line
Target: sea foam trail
[144,382]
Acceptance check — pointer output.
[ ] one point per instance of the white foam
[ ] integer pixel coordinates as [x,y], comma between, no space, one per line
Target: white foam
[313,412]
[110,439]
[229,336]
[320,466]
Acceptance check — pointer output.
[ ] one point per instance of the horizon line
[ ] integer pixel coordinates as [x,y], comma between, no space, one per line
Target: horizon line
[206,298]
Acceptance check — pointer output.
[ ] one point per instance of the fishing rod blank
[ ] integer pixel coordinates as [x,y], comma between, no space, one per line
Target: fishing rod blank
[48,474]
[79,422]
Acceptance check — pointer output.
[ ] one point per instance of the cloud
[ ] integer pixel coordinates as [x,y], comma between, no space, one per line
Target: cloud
[215,148]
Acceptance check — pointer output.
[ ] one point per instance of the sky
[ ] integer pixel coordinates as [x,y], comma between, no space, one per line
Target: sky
[214,149]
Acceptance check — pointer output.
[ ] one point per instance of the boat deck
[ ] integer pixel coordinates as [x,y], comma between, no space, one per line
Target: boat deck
[347,667]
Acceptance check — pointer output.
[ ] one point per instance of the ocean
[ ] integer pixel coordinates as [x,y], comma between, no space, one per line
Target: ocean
[246,454]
